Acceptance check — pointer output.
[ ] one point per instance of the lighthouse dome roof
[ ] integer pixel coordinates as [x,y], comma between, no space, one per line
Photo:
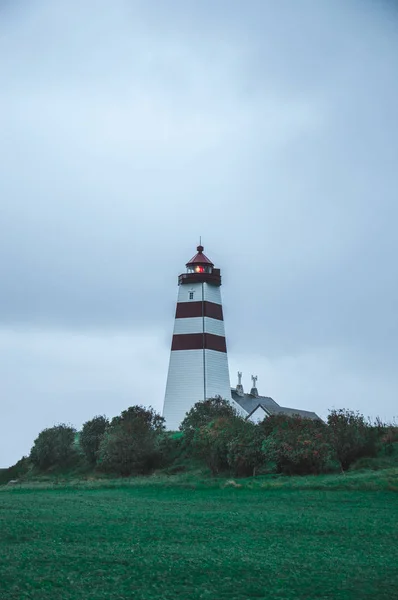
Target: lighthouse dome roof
[200,258]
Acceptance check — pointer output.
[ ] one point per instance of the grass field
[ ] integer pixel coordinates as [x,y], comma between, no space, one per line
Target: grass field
[150,541]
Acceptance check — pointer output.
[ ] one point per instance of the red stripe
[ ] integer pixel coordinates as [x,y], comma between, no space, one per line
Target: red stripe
[194,309]
[198,341]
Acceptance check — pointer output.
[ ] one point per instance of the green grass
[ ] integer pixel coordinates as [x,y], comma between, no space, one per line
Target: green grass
[140,539]
[359,480]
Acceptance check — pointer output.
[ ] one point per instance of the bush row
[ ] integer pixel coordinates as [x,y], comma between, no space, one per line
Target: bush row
[213,434]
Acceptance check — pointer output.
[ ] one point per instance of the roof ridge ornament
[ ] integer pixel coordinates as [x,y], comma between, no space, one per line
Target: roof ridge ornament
[239,387]
[254,390]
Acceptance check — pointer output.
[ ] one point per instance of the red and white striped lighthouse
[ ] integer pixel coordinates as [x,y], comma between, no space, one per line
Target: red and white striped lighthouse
[198,366]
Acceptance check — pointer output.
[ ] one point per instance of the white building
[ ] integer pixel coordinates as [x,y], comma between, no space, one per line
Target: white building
[256,407]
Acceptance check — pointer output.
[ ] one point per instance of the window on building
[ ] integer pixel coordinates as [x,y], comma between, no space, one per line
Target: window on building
[191,295]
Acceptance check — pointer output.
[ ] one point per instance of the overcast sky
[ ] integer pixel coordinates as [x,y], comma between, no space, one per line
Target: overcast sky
[128,129]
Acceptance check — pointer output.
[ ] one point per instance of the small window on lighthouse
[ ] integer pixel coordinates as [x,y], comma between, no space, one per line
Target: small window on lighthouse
[191,295]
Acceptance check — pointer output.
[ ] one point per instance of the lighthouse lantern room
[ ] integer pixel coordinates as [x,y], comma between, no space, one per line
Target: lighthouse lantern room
[198,367]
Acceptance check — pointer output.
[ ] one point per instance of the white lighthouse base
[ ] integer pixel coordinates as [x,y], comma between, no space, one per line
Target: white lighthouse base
[188,379]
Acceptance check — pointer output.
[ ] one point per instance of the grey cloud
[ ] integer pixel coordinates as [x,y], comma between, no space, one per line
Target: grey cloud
[128,130]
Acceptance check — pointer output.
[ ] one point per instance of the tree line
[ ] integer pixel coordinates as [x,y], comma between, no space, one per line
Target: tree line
[214,435]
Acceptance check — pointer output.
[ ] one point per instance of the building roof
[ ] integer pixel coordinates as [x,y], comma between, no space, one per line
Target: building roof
[250,403]
[200,258]
[305,414]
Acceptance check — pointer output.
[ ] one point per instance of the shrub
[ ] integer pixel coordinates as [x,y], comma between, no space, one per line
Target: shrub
[228,444]
[125,454]
[376,463]
[170,448]
[138,418]
[350,436]
[275,422]
[130,444]
[245,449]
[17,471]
[204,412]
[91,436]
[209,443]
[296,445]
[54,447]
[389,440]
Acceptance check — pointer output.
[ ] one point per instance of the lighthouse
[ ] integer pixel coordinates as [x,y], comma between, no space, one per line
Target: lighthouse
[198,367]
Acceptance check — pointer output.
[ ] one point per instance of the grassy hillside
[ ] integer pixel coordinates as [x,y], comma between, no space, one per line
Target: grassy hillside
[143,540]
[379,473]
[361,480]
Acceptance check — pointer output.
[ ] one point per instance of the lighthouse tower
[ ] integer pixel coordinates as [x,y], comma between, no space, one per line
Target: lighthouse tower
[198,366]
